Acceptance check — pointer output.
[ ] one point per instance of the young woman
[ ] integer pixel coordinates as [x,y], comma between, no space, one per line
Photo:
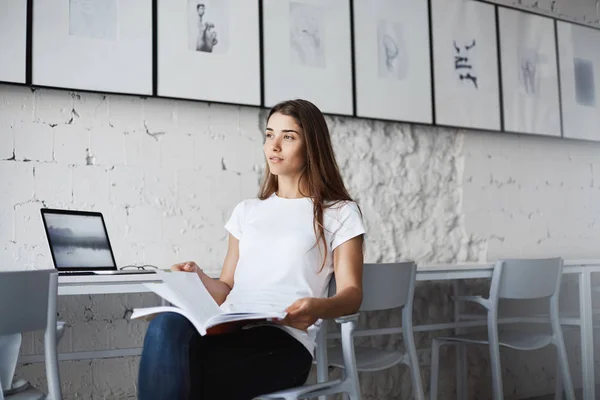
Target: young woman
[283,248]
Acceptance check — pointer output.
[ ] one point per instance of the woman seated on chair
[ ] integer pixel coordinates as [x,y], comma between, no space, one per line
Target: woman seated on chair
[283,248]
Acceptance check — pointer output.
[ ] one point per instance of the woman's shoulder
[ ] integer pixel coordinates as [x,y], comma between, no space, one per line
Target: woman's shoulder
[342,209]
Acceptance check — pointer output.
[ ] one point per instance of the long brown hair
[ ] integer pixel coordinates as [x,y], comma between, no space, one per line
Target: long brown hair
[321,174]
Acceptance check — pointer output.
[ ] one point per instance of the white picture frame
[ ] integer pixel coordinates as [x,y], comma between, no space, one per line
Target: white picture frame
[13,40]
[530,93]
[393,61]
[97,45]
[307,53]
[465,60]
[579,60]
[209,50]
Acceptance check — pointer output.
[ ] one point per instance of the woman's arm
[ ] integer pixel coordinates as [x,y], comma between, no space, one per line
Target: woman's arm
[218,289]
[347,266]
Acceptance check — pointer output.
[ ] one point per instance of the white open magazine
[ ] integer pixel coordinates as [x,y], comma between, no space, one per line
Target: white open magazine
[190,298]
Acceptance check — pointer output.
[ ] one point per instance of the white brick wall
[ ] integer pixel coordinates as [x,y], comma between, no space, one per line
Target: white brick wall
[167,174]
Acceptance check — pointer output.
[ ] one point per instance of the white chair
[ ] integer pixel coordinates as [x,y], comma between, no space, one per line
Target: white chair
[385,287]
[28,303]
[512,279]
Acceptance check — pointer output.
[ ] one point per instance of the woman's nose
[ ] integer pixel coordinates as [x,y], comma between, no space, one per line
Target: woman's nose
[276,145]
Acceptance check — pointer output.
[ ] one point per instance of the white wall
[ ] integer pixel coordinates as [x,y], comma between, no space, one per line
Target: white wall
[167,173]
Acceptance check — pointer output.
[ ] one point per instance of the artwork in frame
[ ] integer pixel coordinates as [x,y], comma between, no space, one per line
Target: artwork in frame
[465,60]
[13,40]
[529,73]
[392,53]
[209,50]
[307,53]
[579,58]
[99,45]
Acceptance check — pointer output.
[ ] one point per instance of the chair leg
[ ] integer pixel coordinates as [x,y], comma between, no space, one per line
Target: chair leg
[462,390]
[563,362]
[415,370]
[435,369]
[496,368]
[558,391]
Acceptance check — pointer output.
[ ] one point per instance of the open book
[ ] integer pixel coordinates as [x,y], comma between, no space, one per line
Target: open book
[190,298]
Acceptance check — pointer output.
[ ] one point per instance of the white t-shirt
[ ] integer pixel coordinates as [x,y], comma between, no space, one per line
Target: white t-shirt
[279,261]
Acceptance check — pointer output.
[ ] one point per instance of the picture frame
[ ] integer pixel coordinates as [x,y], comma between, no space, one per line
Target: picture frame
[13,41]
[465,64]
[529,70]
[209,50]
[307,53]
[393,60]
[97,45]
[579,60]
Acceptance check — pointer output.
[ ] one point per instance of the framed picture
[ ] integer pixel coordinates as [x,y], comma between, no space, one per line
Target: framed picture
[465,64]
[209,50]
[307,53]
[100,45]
[393,68]
[13,40]
[579,57]
[529,73]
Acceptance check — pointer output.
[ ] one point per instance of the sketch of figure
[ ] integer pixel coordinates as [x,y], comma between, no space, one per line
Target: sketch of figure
[307,35]
[530,62]
[393,58]
[96,19]
[585,82]
[207,26]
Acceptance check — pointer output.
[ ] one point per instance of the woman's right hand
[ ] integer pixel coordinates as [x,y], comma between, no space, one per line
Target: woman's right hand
[187,266]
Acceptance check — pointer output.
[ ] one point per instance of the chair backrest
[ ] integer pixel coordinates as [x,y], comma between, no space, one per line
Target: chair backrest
[526,279]
[25,297]
[385,286]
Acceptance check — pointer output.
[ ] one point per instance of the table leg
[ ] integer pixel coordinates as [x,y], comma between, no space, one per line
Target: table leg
[461,372]
[587,335]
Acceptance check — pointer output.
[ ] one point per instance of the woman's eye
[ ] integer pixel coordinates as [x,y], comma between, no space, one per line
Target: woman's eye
[269,135]
[288,137]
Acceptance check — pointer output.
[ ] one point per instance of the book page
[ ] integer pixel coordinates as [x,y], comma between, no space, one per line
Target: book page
[154,311]
[230,317]
[186,290]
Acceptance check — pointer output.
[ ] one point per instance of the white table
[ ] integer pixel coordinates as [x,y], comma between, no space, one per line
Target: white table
[429,272]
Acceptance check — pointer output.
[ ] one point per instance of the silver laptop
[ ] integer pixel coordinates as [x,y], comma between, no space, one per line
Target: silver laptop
[79,243]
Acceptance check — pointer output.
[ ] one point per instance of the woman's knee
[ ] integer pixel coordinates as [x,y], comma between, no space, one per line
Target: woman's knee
[168,328]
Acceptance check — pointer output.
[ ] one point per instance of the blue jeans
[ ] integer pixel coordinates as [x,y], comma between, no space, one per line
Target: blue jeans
[178,364]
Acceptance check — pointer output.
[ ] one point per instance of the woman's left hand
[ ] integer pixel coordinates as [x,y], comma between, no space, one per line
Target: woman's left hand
[302,313]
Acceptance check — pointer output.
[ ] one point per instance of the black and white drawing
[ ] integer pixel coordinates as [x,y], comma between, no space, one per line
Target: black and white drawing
[78,241]
[392,60]
[208,26]
[93,18]
[585,82]
[579,51]
[209,50]
[13,40]
[307,53]
[530,64]
[391,49]
[463,62]
[306,35]
[529,73]
[99,45]
[465,59]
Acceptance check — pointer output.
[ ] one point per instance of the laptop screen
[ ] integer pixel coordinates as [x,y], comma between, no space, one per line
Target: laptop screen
[78,240]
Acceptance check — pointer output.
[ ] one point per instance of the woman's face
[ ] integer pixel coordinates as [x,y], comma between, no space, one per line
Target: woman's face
[284,146]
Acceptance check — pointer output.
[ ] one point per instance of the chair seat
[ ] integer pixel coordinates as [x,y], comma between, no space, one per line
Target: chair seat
[29,394]
[513,339]
[367,358]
